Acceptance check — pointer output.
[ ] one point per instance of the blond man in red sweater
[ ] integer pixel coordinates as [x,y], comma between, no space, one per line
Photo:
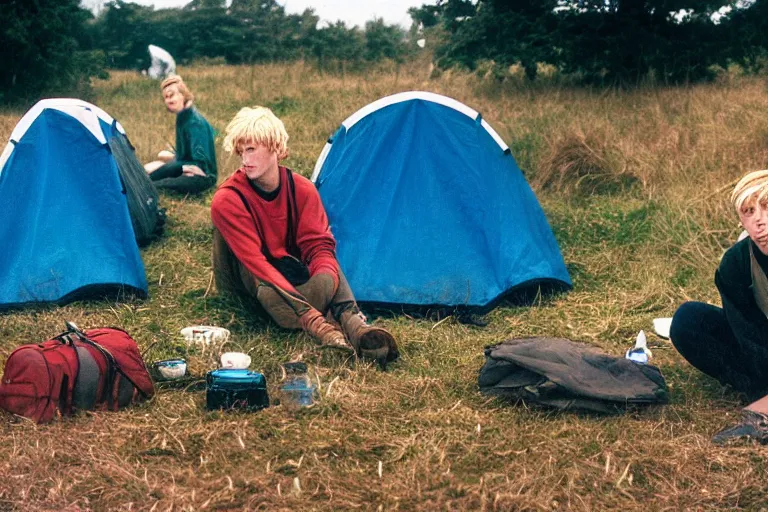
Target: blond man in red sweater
[272,242]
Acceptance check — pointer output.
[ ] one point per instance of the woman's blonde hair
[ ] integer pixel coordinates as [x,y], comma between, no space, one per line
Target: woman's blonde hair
[259,126]
[753,185]
[179,83]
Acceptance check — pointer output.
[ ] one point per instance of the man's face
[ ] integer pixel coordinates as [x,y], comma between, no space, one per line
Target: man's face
[754,217]
[174,100]
[258,160]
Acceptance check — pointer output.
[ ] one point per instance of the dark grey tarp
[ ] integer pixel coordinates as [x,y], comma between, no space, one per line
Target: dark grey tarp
[564,374]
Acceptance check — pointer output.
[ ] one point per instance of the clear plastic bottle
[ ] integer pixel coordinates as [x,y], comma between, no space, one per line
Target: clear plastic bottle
[296,386]
[639,353]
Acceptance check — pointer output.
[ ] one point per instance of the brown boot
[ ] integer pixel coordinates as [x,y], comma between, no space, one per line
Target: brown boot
[326,334]
[369,342]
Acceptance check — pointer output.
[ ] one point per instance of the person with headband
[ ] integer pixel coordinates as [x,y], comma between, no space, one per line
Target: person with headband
[731,343]
[192,169]
[272,243]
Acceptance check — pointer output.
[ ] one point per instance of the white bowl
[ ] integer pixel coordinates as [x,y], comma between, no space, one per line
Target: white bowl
[235,360]
[171,369]
[205,334]
[662,326]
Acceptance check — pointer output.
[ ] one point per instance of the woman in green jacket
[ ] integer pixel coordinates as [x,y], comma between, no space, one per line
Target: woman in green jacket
[192,169]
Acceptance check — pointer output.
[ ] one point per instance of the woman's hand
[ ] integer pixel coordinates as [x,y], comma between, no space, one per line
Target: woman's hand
[166,156]
[192,170]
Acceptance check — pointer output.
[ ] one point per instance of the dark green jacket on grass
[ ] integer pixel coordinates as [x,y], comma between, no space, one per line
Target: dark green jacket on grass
[194,146]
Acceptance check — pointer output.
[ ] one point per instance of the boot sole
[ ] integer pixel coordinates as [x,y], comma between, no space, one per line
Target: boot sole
[377,344]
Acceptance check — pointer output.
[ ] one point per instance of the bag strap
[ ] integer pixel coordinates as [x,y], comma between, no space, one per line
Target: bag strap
[67,339]
[256,223]
[293,213]
[113,365]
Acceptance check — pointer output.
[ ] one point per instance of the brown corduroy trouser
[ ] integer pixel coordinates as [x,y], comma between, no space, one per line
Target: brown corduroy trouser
[232,277]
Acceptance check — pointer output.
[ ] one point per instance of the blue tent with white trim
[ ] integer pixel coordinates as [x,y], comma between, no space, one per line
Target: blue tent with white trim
[64,218]
[429,208]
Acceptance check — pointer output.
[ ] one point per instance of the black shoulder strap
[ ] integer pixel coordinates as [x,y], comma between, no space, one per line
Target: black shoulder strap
[256,223]
[293,217]
[293,213]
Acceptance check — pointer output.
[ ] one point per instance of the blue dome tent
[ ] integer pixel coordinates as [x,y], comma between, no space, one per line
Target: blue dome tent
[430,210]
[64,217]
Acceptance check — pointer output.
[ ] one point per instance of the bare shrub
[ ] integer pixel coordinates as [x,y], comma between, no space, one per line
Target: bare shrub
[586,163]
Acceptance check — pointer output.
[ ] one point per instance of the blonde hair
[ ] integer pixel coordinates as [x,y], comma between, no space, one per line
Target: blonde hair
[753,185]
[260,126]
[179,83]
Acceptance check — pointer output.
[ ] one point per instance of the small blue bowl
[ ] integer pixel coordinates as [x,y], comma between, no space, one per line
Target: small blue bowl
[171,369]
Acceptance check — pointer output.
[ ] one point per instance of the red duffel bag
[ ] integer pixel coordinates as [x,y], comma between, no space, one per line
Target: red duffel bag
[98,369]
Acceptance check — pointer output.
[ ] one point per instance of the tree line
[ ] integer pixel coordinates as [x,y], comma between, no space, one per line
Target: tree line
[613,42]
[56,46]
[246,32]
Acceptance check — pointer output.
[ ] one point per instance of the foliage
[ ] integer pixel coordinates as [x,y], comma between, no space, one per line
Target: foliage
[250,31]
[748,35]
[383,41]
[631,40]
[603,41]
[121,32]
[425,16]
[44,51]
[503,31]
[205,4]
[335,45]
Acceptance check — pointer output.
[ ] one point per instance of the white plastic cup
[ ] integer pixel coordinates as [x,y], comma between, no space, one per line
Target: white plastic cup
[235,360]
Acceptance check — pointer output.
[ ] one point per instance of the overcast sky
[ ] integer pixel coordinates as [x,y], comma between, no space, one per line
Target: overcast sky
[353,12]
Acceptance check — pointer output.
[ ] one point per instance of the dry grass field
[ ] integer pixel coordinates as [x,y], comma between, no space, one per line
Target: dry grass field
[635,186]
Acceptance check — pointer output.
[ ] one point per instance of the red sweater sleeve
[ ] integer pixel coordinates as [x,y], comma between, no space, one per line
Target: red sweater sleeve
[313,234]
[235,224]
